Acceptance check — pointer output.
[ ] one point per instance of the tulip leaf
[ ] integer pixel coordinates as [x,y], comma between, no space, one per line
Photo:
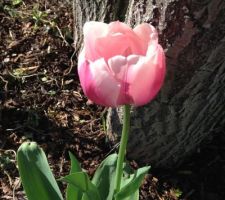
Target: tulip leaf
[37,178]
[81,181]
[127,177]
[132,184]
[73,193]
[104,177]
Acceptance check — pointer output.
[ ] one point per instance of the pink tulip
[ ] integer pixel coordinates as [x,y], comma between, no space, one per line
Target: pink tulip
[119,65]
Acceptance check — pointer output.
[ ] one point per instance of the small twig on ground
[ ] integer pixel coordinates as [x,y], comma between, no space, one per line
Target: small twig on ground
[62,162]
[9,177]
[6,83]
[25,76]
[14,189]
[113,149]
[71,64]
[61,35]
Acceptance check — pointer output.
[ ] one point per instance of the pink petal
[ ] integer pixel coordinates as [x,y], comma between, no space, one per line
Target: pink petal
[118,66]
[112,45]
[120,40]
[133,41]
[83,71]
[119,27]
[98,84]
[93,30]
[146,77]
[148,35]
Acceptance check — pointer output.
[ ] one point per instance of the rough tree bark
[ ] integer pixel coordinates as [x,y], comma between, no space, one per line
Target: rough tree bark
[191,103]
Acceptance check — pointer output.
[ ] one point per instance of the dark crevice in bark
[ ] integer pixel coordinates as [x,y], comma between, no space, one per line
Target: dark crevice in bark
[122,7]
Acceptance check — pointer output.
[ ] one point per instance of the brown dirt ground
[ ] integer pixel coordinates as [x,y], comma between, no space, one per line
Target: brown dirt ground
[41,100]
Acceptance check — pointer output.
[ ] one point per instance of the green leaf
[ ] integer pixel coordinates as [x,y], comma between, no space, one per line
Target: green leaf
[83,183]
[104,177]
[132,184]
[73,193]
[127,177]
[37,178]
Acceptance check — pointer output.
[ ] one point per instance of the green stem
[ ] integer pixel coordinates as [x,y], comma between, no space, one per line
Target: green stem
[123,145]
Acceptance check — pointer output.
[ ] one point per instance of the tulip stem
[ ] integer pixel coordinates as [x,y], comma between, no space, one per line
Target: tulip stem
[123,145]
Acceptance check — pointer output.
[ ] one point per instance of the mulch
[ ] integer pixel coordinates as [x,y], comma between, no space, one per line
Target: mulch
[41,100]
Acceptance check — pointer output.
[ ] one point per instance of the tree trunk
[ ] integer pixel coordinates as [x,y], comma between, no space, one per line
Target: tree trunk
[191,103]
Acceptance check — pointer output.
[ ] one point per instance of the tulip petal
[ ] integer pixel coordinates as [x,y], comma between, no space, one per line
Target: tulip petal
[83,71]
[104,83]
[118,66]
[133,41]
[146,77]
[93,30]
[119,27]
[112,45]
[148,35]
[108,40]
[98,83]
[120,40]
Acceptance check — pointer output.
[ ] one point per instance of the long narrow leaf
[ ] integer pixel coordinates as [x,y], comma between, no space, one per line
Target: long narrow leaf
[37,178]
[104,177]
[72,192]
[133,184]
[81,181]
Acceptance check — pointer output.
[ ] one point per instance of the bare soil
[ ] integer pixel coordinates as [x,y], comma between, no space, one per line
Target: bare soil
[41,100]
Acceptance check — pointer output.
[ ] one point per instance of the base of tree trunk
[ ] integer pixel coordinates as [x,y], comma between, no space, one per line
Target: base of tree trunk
[192,101]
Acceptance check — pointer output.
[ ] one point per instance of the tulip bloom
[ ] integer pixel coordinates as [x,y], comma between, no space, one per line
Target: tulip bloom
[120,65]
